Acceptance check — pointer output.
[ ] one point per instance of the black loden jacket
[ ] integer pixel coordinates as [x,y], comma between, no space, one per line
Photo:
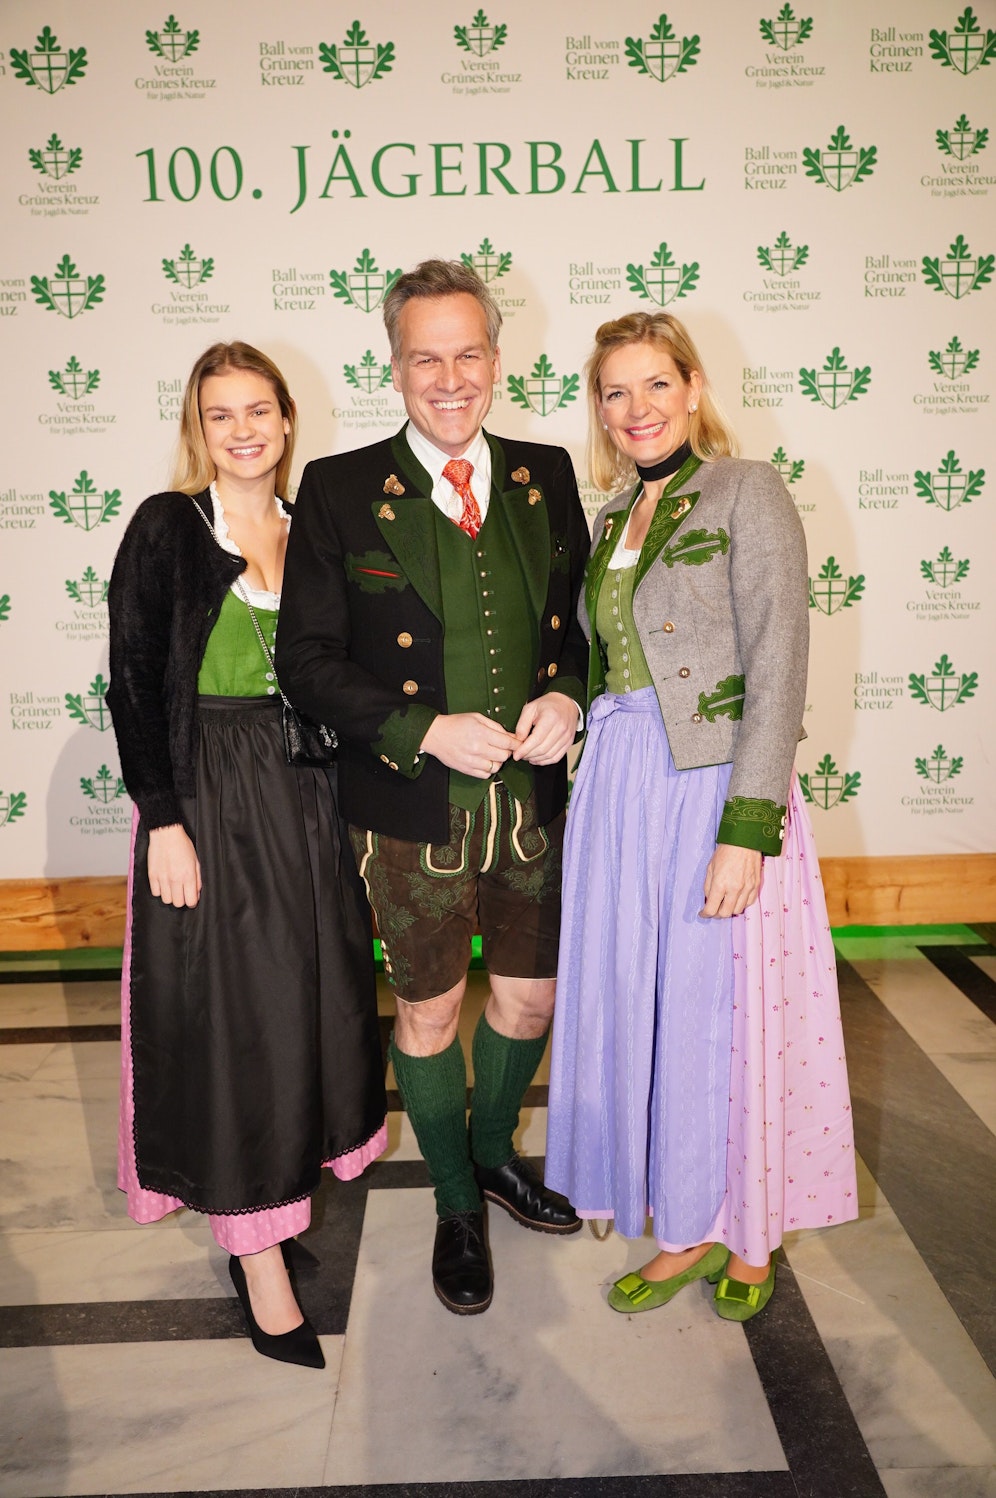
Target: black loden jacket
[167,586]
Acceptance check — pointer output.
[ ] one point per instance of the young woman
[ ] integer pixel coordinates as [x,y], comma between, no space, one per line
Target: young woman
[250,1050]
[698,1066]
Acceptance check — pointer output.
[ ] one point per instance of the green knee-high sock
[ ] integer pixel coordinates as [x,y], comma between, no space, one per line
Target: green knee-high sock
[434,1092]
[503,1069]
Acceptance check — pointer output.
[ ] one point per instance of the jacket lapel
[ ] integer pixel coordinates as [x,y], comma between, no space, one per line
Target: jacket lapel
[669,514]
[599,559]
[407,523]
[529,522]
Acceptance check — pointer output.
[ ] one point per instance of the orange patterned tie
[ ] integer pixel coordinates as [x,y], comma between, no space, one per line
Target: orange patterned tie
[458,471]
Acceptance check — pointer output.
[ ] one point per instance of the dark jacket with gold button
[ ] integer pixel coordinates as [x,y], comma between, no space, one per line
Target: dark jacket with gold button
[360,640]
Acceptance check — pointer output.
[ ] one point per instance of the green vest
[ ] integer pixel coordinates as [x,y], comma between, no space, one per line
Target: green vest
[490,638]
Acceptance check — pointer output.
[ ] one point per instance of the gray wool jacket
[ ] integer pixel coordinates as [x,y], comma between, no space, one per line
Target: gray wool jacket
[721,605]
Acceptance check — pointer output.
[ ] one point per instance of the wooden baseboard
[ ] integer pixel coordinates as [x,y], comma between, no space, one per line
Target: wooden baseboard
[38,915]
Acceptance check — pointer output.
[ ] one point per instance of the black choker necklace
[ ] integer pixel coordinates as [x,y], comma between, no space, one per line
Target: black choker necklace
[666,466]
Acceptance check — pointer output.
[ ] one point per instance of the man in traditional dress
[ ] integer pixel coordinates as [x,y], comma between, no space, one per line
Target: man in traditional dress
[429,616]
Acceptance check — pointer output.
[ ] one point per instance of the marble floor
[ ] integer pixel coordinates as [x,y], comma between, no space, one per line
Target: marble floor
[125,1368]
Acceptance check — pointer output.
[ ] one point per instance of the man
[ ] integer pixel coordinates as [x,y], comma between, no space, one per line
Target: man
[428,613]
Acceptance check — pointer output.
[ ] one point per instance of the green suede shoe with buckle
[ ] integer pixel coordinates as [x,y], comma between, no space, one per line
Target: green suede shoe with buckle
[738,1301]
[634,1293]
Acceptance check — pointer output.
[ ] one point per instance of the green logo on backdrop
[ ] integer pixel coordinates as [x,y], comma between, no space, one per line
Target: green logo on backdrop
[74,382]
[961,141]
[85,506]
[356,61]
[789,468]
[488,262]
[480,37]
[948,487]
[90,707]
[369,375]
[661,55]
[832,591]
[104,787]
[364,287]
[12,806]
[171,43]
[786,31]
[48,67]
[4,607]
[188,270]
[89,590]
[67,292]
[827,786]
[840,164]
[965,48]
[834,385]
[939,766]
[954,361]
[942,688]
[944,570]
[959,272]
[782,257]
[543,391]
[55,160]
[662,281]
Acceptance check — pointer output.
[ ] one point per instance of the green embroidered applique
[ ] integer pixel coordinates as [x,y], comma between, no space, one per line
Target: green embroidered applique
[727,701]
[696,547]
[750,822]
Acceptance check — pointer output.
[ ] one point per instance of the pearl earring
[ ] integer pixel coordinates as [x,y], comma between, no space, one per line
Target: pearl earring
[692,410]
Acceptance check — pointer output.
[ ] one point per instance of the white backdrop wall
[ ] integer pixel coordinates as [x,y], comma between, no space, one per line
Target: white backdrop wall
[810,187]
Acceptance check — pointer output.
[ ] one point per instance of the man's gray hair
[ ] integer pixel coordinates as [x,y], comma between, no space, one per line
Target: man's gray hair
[439,278]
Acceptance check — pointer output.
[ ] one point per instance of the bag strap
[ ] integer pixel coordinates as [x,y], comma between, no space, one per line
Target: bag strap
[252,612]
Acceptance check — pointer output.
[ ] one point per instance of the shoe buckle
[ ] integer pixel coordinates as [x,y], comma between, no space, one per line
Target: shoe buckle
[737,1290]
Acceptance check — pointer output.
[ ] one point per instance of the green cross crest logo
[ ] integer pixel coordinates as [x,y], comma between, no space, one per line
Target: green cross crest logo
[543,390]
[74,382]
[357,61]
[939,766]
[834,385]
[944,571]
[663,280]
[489,263]
[827,786]
[786,31]
[840,165]
[965,48]
[12,806]
[955,361]
[4,607]
[171,43]
[961,141]
[90,707]
[86,506]
[55,160]
[364,287]
[789,468]
[67,292]
[187,269]
[948,487]
[942,688]
[959,272]
[89,590]
[783,257]
[370,375]
[661,55]
[831,591]
[48,67]
[480,37]
[104,787]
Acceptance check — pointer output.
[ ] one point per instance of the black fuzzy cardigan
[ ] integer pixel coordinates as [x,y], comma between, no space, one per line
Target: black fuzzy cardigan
[167,586]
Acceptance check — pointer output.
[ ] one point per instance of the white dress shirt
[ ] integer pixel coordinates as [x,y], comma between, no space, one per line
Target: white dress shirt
[433,460]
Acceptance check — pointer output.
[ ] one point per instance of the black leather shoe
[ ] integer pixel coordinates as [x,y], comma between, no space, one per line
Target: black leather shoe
[461,1265]
[300,1345]
[517,1187]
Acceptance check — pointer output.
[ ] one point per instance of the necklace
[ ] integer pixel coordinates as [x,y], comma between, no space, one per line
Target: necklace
[666,466]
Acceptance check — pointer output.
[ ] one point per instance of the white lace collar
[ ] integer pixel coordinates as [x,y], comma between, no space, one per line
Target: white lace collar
[260,598]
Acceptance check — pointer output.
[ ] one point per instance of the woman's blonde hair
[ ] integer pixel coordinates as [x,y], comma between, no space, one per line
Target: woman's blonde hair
[709,432]
[193,470]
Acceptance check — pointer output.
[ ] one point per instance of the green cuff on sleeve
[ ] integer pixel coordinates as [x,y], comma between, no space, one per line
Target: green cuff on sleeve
[749,822]
[401,733]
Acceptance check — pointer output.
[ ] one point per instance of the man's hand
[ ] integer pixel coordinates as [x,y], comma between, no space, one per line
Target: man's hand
[732,880]
[468,742]
[546,729]
[174,869]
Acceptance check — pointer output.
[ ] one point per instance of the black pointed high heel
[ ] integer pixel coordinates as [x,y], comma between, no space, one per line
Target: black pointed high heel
[300,1345]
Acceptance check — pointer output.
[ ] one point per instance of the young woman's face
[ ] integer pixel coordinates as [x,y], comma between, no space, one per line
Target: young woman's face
[243,428]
